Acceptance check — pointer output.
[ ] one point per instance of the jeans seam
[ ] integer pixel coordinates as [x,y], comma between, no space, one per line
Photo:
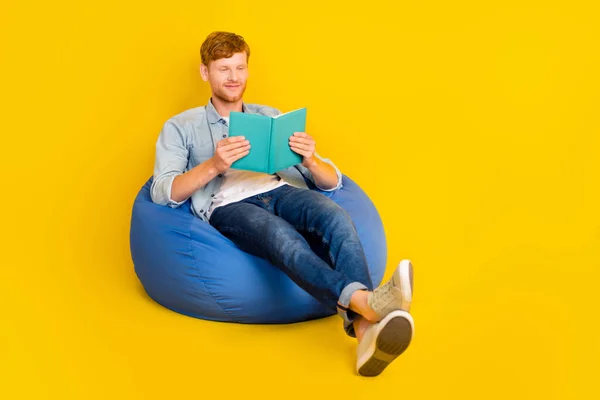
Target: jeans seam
[321,236]
[242,233]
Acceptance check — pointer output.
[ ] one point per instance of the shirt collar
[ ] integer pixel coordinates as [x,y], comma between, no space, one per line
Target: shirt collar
[212,114]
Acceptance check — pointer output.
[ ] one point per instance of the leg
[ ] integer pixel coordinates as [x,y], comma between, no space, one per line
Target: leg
[326,224]
[329,226]
[259,232]
[361,324]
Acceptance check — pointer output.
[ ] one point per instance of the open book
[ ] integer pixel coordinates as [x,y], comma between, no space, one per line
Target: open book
[269,139]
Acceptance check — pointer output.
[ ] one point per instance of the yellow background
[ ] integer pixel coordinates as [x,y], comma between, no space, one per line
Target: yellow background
[472,125]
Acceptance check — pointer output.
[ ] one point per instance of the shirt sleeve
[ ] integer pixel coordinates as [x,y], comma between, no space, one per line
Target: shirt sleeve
[171,160]
[306,172]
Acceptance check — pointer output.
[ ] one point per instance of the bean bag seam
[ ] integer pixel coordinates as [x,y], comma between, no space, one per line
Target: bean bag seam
[200,274]
[193,292]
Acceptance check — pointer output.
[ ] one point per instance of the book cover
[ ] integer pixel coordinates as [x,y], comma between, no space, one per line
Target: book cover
[269,139]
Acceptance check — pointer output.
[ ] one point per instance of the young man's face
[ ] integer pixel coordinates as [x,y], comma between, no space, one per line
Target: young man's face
[227,77]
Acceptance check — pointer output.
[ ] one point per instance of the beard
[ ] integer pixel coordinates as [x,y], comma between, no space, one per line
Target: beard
[223,95]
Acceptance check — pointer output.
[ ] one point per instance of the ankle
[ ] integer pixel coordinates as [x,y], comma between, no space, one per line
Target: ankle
[359,303]
[360,326]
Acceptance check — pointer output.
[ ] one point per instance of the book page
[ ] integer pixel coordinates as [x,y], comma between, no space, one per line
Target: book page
[289,112]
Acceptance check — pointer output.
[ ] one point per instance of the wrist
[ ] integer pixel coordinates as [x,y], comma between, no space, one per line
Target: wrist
[212,168]
[309,162]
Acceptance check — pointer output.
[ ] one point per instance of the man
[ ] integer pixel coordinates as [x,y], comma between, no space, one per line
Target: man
[275,216]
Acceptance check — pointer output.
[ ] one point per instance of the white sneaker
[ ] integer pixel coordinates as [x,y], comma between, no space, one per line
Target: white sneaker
[383,342]
[396,293]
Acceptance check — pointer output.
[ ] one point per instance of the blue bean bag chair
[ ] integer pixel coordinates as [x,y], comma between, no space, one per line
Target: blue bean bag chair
[189,267]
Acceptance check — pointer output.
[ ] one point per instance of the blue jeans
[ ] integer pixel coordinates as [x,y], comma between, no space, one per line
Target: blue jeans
[308,236]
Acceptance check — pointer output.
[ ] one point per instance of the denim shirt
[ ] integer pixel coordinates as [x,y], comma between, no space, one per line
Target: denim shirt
[189,139]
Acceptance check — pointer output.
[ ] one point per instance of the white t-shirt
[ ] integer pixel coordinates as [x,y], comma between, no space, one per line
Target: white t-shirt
[239,184]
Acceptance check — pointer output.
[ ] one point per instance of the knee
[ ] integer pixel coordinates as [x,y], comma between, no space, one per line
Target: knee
[338,218]
[284,237]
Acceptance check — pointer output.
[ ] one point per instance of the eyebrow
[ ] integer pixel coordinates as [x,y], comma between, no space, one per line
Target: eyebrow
[227,66]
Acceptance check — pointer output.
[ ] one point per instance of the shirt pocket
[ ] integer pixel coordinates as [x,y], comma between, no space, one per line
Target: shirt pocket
[201,151]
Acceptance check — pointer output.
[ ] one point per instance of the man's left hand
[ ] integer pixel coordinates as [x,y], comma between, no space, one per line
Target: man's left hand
[303,144]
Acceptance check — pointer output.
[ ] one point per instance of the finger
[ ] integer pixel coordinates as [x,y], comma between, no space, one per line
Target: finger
[239,155]
[227,156]
[233,141]
[232,146]
[303,147]
[230,140]
[236,151]
[301,140]
[301,152]
[301,134]
[298,151]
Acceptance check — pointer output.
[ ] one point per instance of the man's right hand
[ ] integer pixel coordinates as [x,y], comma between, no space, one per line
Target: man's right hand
[228,151]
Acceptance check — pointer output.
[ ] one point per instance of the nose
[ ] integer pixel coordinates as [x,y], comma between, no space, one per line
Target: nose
[233,75]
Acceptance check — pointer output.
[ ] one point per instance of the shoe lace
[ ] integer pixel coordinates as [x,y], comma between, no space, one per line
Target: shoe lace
[381,296]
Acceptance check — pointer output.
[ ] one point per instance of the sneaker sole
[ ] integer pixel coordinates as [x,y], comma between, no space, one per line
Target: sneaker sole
[405,272]
[392,340]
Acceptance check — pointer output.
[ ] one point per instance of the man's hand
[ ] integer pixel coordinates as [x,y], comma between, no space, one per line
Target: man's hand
[303,144]
[228,151]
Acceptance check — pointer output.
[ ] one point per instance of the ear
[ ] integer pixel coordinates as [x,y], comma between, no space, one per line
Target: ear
[204,72]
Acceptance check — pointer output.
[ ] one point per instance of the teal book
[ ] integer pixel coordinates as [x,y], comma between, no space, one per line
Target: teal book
[269,139]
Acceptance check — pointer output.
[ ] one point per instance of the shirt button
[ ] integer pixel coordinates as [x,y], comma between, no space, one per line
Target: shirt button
[224,136]
[201,211]
[220,175]
[212,195]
